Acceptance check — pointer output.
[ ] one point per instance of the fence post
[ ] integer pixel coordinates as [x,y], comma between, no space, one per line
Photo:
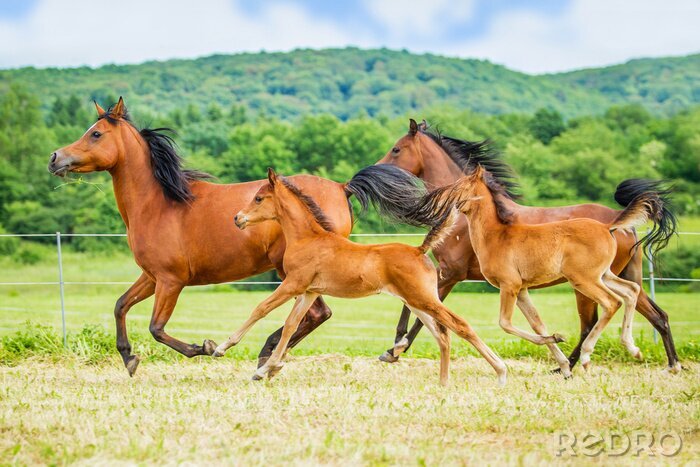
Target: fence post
[60,287]
[652,288]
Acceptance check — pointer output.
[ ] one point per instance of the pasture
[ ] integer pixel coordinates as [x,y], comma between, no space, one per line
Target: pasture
[333,402]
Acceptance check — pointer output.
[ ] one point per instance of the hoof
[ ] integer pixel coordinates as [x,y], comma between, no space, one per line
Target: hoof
[260,373]
[272,372]
[558,338]
[501,380]
[675,369]
[639,355]
[132,364]
[586,366]
[209,347]
[257,377]
[387,357]
[218,352]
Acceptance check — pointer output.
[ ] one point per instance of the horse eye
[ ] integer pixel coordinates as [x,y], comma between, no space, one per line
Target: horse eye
[96,134]
[396,150]
[258,199]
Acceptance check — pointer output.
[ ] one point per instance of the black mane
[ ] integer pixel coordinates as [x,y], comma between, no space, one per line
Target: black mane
[468,155]
[314,209]
[167,165]
[166,162]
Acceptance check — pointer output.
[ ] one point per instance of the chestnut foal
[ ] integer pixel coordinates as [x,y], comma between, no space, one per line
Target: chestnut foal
[320,262]
[515,257]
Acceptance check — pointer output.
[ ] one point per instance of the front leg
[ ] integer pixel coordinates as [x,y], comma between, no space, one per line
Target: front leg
[281,295]
[274,363]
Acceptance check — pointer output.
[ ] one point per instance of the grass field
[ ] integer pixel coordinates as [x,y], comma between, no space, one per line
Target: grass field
[333,403]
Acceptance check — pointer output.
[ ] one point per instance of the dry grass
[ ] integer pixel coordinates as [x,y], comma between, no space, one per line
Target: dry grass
[330,410]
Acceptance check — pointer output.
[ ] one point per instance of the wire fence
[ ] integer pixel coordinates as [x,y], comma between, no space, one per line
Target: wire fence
[652,279]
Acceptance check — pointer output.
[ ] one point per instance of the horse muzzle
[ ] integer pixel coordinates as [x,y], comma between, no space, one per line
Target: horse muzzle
[60,165]
[241,221]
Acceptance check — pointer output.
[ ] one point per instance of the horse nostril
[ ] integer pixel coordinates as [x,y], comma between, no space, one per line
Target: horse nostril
[235,218]
[53,157]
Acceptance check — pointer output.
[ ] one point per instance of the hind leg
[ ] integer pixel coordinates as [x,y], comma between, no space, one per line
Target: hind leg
[610,303]
[443,340]
[508,298]
[533,317]
[629,292]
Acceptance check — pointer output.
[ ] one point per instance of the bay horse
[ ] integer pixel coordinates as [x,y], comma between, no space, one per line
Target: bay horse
[515,256]
[179,225]
[318,261]
[441,160]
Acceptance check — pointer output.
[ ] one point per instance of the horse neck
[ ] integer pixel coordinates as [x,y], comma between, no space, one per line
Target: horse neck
[438,167]
[482,217]
[293,215]
[136,190]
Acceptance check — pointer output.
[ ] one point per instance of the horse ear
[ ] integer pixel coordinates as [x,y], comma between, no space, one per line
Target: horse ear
[423,125]
[100,110]
[119,110]
[271,176]
[412,127]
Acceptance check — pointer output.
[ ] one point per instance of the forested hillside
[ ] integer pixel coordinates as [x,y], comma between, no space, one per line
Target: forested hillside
[569,150]
[352,82]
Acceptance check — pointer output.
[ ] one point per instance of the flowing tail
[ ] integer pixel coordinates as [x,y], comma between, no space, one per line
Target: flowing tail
[390,189]
[440,232]
[646,200]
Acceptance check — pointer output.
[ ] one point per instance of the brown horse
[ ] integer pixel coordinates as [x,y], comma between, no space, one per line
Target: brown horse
[440,160]
[179,227]
[318,262]
[515,256]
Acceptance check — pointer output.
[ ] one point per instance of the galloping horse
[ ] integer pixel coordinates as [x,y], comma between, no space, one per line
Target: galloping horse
[179,227]
[318,262]
[515,257]
[440,160]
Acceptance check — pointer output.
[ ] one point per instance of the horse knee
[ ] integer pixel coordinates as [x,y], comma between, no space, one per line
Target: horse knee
[505,324]
[319,315]
[120,307]
[157,331]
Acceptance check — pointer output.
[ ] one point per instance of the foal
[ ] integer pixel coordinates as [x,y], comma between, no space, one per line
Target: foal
[320,262]
[515,257]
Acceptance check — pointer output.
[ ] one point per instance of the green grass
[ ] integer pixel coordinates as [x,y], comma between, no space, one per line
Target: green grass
[333,403]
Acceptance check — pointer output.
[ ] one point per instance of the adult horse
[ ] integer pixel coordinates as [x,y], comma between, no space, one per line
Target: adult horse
[441,160]
[180,227]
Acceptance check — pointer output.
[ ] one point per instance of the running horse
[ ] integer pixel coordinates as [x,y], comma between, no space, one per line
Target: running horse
[515,256]
[441,160]
[179,226]
[319,262]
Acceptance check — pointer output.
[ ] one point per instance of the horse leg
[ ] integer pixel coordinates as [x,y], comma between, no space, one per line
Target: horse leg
[652,312]
[274,364]
[443,340]
[628,291]
[508,296]
[143,288]
[167,294]
[588,316]
[609,301]
[389,355]
[281,294]
[317,314]
[536,323]
[405,340]
[461,327]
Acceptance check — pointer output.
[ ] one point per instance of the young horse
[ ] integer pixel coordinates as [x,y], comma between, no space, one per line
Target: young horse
[318,261]
[440,160]
[179,227]
[515,257]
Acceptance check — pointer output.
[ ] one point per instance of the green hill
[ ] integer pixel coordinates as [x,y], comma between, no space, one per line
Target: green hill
[348,82]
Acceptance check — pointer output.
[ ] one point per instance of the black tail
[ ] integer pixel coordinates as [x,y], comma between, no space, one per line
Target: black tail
[393,191]
[656,200]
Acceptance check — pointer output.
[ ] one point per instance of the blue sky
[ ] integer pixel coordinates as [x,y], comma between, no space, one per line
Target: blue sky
[531,36]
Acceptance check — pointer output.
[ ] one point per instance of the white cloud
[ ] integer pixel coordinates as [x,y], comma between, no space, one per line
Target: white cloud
[589,33]
[586,33]
[83,32]
[414,19]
